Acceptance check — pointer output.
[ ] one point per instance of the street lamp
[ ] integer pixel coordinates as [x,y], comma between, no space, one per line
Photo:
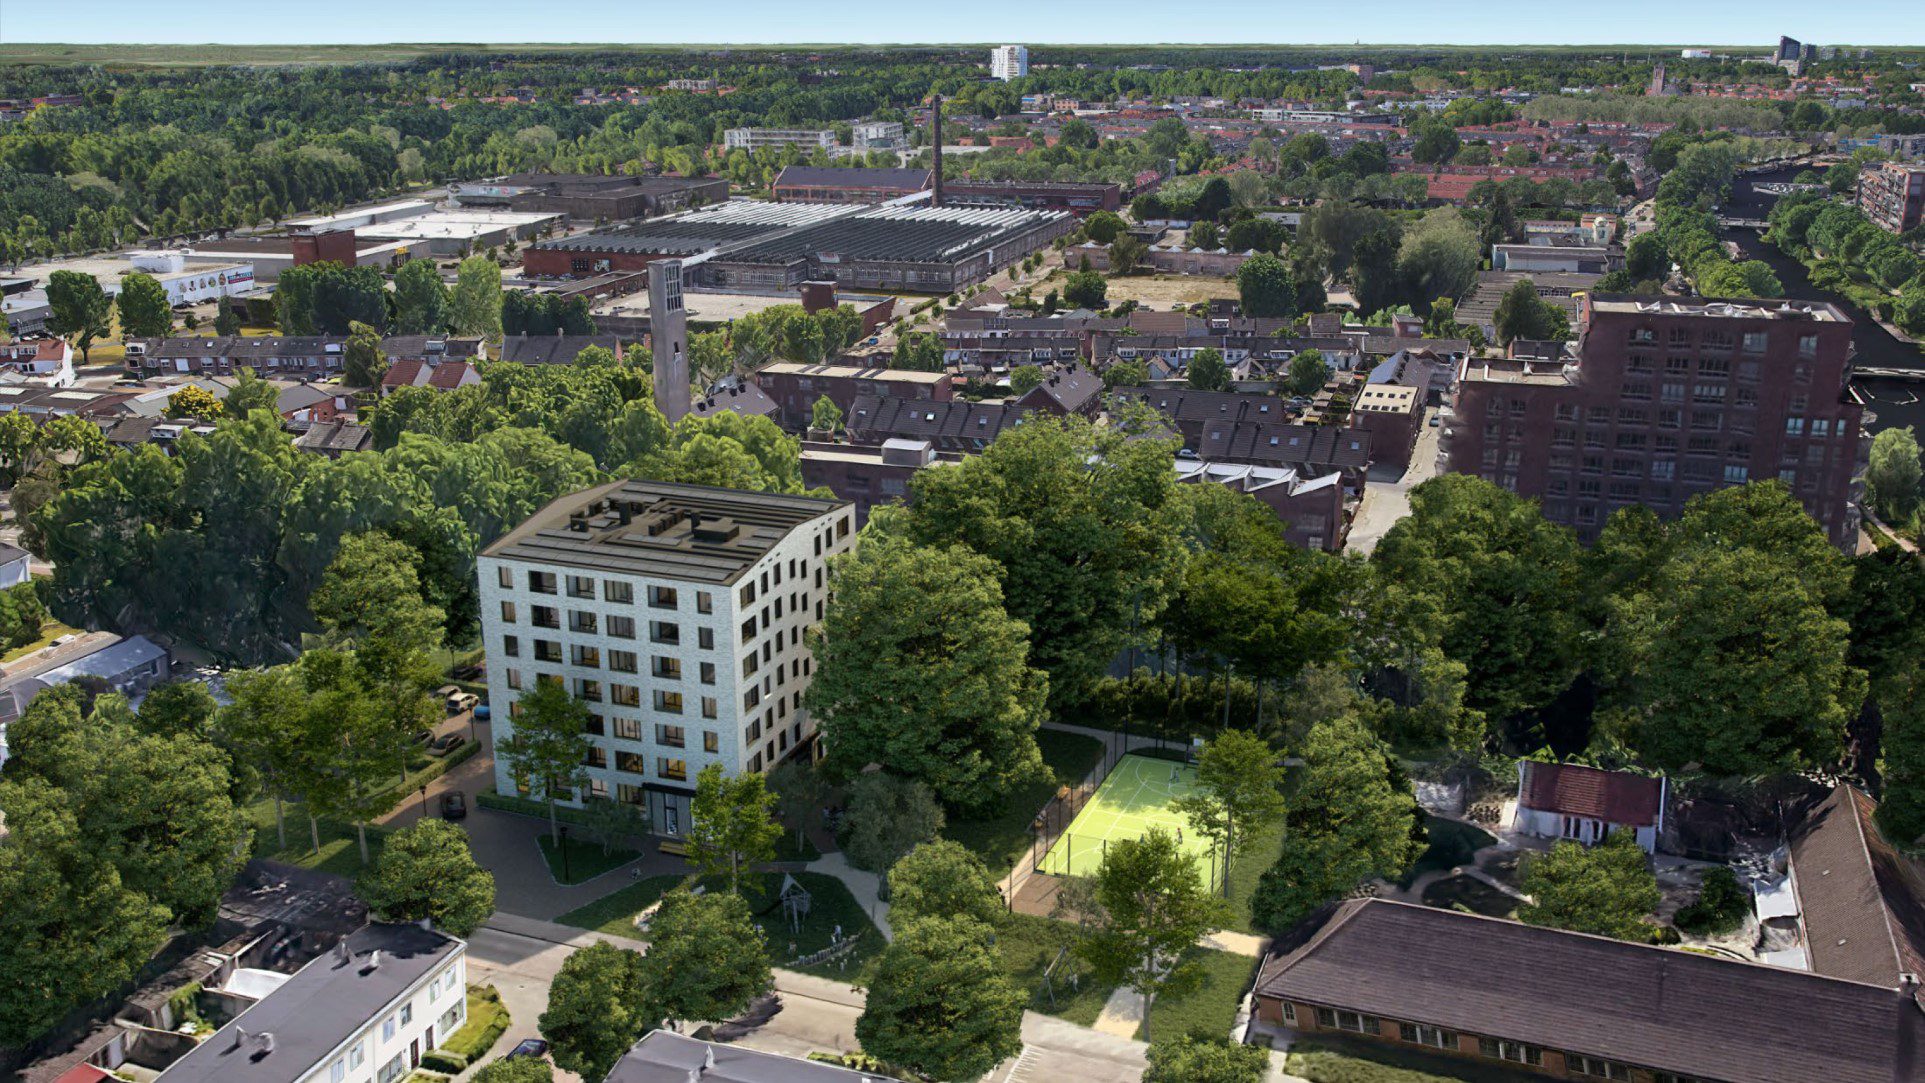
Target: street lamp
[424,800]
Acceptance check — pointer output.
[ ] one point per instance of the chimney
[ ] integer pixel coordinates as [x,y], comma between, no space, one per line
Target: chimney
[935,137]
[240,1037]
[374,959]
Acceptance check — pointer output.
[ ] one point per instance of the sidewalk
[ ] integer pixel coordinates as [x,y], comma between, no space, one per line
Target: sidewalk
[865,886]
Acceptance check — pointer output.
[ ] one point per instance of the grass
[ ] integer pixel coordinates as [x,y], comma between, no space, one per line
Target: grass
[830,905]
[338,853]
[1469,894]
[1249,860]
[586,860]
[1452,843]
[1342,1059]
[1002,839]
[1028,945]
[49,631]
[487,1022]
[1212,1008]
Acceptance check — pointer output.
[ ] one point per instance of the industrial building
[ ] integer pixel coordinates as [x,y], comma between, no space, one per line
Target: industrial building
[272,255]
[427,230]
[856,184]
[1078,199]
[591,197]
[778,246]
[187,276]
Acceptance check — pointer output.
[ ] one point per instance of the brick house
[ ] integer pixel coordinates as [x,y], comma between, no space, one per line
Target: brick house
[795,387]
[1583,804]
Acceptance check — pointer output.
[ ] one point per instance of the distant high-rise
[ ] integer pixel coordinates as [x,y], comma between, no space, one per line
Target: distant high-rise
[668,336]
[1789,49]
[1008,62]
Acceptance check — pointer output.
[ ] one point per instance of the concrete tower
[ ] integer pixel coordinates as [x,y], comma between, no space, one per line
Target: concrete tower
[668,338]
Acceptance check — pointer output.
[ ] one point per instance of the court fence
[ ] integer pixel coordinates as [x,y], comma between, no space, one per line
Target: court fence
[1070,847]
[1056,816]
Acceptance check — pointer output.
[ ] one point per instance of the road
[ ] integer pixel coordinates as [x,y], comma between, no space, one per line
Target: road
[520,957]
[1388,500]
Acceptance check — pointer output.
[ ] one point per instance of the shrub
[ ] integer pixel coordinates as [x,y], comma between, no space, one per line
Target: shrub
[1721,905]
[487,1021]
[1325,1066]
[440,1060]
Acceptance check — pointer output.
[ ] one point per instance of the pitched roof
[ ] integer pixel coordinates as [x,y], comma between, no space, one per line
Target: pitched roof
[1859,897]
[403,374]
[1657,1008]
[1616,797]
[817,176]
[1071,388]
[449,375]
[872,417]
[664,1056]
[555,349]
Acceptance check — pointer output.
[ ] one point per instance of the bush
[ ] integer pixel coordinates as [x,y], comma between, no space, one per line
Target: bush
[1326,1066]
[441,1060]
[487,1022]
[1175,711]
[1721,905]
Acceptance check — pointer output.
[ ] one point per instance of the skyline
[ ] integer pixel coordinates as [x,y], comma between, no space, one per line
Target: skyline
[1065,22]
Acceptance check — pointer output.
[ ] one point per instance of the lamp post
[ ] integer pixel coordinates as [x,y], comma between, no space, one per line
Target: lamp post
[424,800]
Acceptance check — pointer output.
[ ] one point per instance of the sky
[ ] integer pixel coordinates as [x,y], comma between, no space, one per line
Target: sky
[1709,22]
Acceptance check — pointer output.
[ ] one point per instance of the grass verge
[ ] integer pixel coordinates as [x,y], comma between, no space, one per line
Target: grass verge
[1028,945]
[1212,1008]
[585,860]
[1334,1061]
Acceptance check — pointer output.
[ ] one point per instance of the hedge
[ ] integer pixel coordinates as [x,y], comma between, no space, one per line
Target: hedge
[1326,1066]
[487,1021]
[522,806]
[440,1060]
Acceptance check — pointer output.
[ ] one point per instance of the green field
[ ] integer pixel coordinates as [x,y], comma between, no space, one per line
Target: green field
[1135,798]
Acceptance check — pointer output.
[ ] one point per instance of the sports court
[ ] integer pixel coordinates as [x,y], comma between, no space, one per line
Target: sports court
[1133,799]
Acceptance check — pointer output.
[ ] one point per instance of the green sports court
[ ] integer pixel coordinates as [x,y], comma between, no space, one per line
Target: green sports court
[1133,799]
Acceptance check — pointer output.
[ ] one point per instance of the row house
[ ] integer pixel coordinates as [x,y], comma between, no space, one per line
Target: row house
[795,387]
[998,354]
[956,425]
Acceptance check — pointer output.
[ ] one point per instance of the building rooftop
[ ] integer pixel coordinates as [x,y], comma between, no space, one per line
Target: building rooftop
[907,234]
[820,176]
[663,1056]
[1678,1011]
[1617,797]
[853,372]
[1514,370]
[661,530]
[1737,308]
[324,1004]
[1862,902]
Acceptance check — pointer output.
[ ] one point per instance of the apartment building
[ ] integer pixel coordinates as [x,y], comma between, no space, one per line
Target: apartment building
[1669,398]
[1008,62]
[752,138]
[1892,195]
[677,613]
[364,1012]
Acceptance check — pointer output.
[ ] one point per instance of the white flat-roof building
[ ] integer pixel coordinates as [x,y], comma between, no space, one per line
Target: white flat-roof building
[422,228]
[751,138]
[677,613]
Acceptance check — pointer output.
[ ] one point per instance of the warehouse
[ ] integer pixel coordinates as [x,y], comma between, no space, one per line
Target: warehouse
[631,248]
[591,197]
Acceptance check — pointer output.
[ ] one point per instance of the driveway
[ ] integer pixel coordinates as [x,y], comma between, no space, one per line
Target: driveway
[1387,500]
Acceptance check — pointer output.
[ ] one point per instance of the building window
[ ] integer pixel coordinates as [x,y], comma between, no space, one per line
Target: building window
[508,612]
[1290,1013]
[588,691]
[510,647]
[548,650]
[1497,1049]
[337,1071]
[707,672]
[664,632]
[581,586]
[391,1071]
[1342,1020]
[671,736]
[586,657]
[623,661]
[582,622]
[1596,1067]
[388,1027]
[545,617]
[705,639]
[505,576]
[1754,342]
[357,1055]
[621,593]
[668,702]
[541,582]
[709,708]
[621,627]
[673,770]
[662,598]
[1431,1036]
[711,741]
[667,668]
[625,695]
[628,729]
[704,602]
[632,763]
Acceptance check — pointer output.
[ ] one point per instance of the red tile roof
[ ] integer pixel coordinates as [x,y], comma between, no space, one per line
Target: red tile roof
[1612,796]
[403,374]
[448,375]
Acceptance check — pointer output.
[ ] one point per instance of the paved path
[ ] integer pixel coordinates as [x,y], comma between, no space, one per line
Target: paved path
[865,886]
[1122,1013]
[1386,501]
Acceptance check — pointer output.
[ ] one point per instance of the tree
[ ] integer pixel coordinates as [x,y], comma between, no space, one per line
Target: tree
[1349,820]
[730,823]
[1085,289]
[942,879]
[426,871]
[420,299]
[1104,226]
[78,309]
[1238,786]
[706,957]
[918,352]
[1437,142]
[1207,372]
[177,707]
[825,415]
[194,401]
[73,931]
[799,791]
[1521,313]
[1308,372]
[601,1001]
[1605,890]
[612,823]
[940,1002]
[144,309]
[888,816]
[1084,528]
[1127,254]
[1154,907]
[1893,476]
[1737,668]
[1901,813]
[362,362]
[1439,256]
[475,307]
[249,393]
[1025,378]
[955,703]
[227,322]
[1126,372]
[548,742]
[1265,288]
[1205,1058]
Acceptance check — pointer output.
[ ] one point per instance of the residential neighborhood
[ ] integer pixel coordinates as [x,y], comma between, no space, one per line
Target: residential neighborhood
[1025,561]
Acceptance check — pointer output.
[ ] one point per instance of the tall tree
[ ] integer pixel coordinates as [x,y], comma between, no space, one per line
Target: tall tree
[1239,780]
[144,309]
[707,959]
[940,1003]
[1207,371]
[1308,372]
[1893,476]
[1901,812]
[888,816]
[1606,890]
[362,362]
[78,309]
[942,879]
[1521,313]
[954,704]
[549,743]
[601,1001]
[731,823]
[1265,288]
[1154,908]
[1438,257]
[249,393]
[475,307]
[427,872]
[799,791]
[420,300]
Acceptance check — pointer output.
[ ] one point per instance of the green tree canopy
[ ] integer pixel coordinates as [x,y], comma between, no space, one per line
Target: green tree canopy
[1265,288]
[601,1001]
[78,309]
[1606,890]
[144,309]
[706,957]
[475,306]
[1154,907]
[940,1003]
[420,300]
[548,745]
[888,816]
[942,879]
[731,823]
[1205,1058]
[426,871]
[1892,478]
[1207,371]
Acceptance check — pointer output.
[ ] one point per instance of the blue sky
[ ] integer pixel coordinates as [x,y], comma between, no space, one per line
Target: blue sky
[1736,22]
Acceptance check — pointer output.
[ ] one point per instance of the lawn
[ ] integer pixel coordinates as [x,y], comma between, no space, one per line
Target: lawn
[338,853]
[1002,839]
[1452,843]
[830,905]
[1251,858]
[1028,945]
[1340,1059]
[585,860]
[1213,1007]
[49,631]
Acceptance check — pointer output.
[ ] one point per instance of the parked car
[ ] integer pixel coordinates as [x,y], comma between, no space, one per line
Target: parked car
[454,805]
[459,701]
[447,690]
[422,737]
[445,744]
[528,1047]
